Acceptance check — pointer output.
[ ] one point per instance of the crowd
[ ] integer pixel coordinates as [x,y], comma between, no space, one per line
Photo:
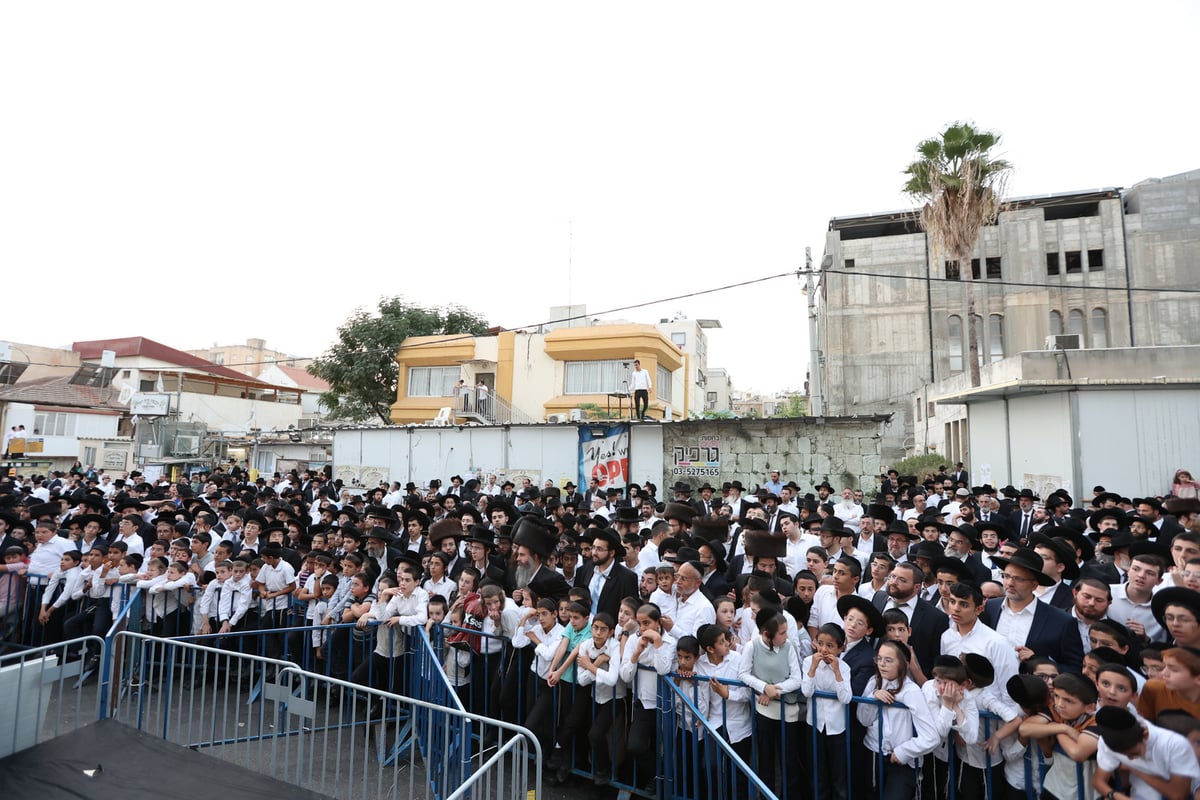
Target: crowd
[1071,626]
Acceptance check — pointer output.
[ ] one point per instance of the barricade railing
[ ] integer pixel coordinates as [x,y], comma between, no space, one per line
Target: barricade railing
[697,759]
[42,695]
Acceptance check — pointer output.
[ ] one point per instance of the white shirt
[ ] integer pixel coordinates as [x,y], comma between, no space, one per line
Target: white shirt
[607,679]
[824,607]
[797,551]
[1015,625]
[47,558]
[1167,754]
[986,642]
[640,379]
[907,606]
[275,579]
[734,713]
[898,723]
[688,615]
[849,513]
[831,714]
[645,684]
[1122,609]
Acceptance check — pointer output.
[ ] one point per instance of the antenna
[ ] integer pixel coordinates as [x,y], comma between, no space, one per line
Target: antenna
[570,259]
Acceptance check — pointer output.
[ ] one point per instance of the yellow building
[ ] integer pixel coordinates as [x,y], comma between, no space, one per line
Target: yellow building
[535,377]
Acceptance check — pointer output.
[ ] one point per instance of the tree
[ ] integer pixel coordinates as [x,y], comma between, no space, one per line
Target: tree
[960,187]
[796,406]
[360,367]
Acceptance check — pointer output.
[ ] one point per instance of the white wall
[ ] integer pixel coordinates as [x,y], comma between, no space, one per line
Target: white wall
[988,433]
[1042,444]
[419,453]
[1133,441]
[234,413]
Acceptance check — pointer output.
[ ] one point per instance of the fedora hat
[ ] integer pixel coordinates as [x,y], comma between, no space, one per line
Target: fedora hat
[881,511]
[853,601]
[626,514]
[1064,552]
[901,528]
[1026,558]
[1174,596]
[681,488]
[481,534]
[610,538]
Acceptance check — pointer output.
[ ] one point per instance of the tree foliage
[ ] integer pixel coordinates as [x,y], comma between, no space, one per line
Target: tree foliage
[796,406]
[360,366]
[960,186]
[923,466]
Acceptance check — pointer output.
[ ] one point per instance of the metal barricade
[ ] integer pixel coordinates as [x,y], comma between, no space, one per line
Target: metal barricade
[697,761]
[43,696]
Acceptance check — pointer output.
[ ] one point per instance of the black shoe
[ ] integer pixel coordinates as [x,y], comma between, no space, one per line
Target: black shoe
[562,773]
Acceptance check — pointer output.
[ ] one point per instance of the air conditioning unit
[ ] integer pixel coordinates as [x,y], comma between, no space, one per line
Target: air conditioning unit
[305,424]
[556,418]
[576,415]
[1063,341]
[150,451]
[186,444]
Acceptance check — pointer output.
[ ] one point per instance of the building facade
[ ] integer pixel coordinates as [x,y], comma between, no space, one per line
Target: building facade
[1092,268]
[538,377]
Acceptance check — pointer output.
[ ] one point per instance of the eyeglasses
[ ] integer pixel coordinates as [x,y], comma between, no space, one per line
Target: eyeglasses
[882,661]
[1016,578]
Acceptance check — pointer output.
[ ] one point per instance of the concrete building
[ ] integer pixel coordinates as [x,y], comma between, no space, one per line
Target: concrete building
[689,336]
[1093,267]
[1124,418]
[537,377]
[718,391]
[251,358]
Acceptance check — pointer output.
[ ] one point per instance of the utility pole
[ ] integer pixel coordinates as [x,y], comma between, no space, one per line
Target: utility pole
[816,382]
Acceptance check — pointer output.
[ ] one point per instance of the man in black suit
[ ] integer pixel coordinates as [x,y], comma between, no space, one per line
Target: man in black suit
[1058,559]
[926,621]
[706,505]
[610,581]
[1166,527]
[1033,627]
[960,476]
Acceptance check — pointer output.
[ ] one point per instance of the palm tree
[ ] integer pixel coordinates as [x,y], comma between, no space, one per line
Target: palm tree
[960,188]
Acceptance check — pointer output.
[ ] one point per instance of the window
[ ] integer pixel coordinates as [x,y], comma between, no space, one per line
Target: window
[1051,263]
[1074,262]
[1075,324]
[975,269]
[1099,327]
[9,372]
[995,338]
[89,455]
[146,385]
[679,338]
[596,377]
[710,397]
[849,263]
[432,381]
[1056,326]
[918,409]
[955,343]
[952,271]
[218,358]
[52,423]
[92,375]
[993,268]
[1095,260]
[662,389]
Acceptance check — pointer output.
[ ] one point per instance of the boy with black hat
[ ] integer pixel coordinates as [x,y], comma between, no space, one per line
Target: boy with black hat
[1160,763]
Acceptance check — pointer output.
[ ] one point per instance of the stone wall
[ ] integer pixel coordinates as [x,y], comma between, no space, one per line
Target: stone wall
[808,450]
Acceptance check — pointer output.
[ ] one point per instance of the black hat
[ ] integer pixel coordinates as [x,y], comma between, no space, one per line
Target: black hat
[410,487]
[1118,728]
[535,534]
[1175,596]
[979,669]
[874,616]
[681,488]
[1028,494]
[1059,498]
[679,511]
[380,532]
[1064,551]
[549,584]
[953,566]
[449,528]
[1000,530]
[481,534]
[737,485]
[718,551]
[683,555]
[824,485]
[1028,691]
[761,543]
[834,525]
[1078,541]
[881,511]
[54,509]
[900,527]
[625,514]
[926,549]
[711,528]
[100,519]
[610,538]
[1026,558]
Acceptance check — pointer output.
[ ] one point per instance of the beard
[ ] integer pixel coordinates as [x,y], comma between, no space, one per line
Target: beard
[524,573]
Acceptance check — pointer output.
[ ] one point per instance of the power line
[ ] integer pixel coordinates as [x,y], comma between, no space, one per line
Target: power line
[462,337]
[985,282]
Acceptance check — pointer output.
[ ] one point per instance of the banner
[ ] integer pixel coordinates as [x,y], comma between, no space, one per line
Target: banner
[604,455]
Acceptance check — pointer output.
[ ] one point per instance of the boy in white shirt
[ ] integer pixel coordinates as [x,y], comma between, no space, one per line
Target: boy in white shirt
[63,591]
[1160,763]
[598,665]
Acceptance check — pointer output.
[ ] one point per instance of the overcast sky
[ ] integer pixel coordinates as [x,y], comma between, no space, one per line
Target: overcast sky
[207,172]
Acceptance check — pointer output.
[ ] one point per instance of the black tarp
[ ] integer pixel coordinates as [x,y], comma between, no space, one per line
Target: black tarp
[130,765]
